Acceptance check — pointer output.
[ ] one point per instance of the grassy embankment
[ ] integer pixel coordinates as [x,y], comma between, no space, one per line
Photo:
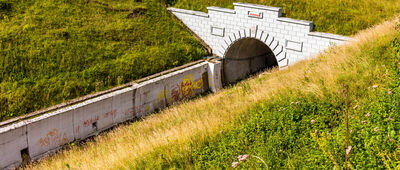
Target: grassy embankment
[294,118]
[52,51]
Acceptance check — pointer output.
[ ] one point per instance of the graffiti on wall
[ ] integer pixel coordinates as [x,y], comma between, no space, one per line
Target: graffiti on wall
[53,137]
[188,85]
[185,89]
[112,113]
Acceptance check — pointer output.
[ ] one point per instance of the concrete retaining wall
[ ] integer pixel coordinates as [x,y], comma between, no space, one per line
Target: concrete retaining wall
[47,133]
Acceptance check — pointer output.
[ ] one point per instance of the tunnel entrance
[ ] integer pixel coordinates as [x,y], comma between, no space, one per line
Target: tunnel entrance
[246,57]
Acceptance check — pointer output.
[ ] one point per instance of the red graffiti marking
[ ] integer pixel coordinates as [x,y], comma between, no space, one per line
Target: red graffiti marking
[188,85]
[139,109]
[113,113]
[129,111]
[53,137]
[185,88]
[175,94]
[89,122]
[78,129]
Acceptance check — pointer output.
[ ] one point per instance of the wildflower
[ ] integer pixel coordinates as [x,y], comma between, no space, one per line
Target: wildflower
[242,158]
[312,121]
[390,118]
[316,132]
[292,103]
[376,129]
[389,91]
[368,115]
[297,102]
[284,109]
[364,122]
[351,131]
[235,164]
[375,86]
[348,150]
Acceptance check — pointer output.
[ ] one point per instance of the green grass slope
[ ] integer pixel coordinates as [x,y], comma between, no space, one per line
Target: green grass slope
[304,117]
[345,17]
[312,126]
[55,50]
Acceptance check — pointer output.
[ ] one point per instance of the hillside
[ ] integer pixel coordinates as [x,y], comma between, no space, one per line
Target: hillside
[296,118]
[54,51]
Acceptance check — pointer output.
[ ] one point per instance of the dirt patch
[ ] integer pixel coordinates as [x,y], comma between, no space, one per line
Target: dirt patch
[137,12]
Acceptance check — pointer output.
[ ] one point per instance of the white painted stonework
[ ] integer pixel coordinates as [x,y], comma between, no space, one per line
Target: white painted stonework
[290,40]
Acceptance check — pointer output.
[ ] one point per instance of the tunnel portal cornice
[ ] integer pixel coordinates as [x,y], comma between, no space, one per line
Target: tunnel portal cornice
[291,40]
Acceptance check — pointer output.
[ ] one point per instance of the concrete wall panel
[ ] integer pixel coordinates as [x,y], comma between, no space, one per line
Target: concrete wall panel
[147,95]
[123,103]
[93,116]
[214,75]
[50,131]
[12,140]
[184,84]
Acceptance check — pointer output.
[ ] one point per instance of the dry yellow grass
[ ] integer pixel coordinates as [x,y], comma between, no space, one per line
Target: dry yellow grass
[173,130]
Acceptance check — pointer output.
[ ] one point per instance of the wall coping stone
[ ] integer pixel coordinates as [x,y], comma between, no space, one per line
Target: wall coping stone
[330,36]
[269,8]
[219,9]
[184,11]
[295,21]
[12,126]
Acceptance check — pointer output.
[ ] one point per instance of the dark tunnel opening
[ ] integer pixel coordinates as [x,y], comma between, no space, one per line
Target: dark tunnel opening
[246,57]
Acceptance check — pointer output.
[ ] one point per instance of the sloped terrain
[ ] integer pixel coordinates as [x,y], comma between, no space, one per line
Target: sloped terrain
[345,103]
[52,51]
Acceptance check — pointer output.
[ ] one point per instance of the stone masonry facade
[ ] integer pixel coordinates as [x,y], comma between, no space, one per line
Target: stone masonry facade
[290,40]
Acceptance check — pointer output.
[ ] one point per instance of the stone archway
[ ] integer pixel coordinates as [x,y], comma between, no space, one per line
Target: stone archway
[246,56]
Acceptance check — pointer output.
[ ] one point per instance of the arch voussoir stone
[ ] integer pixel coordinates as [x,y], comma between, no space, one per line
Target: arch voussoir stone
[274,45]
[284,62]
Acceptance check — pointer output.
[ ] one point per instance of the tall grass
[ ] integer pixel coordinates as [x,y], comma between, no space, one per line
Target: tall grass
[345,17]
[193,134]
[52,51]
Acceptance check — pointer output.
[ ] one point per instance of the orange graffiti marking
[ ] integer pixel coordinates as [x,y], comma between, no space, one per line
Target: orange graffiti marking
[53,137]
